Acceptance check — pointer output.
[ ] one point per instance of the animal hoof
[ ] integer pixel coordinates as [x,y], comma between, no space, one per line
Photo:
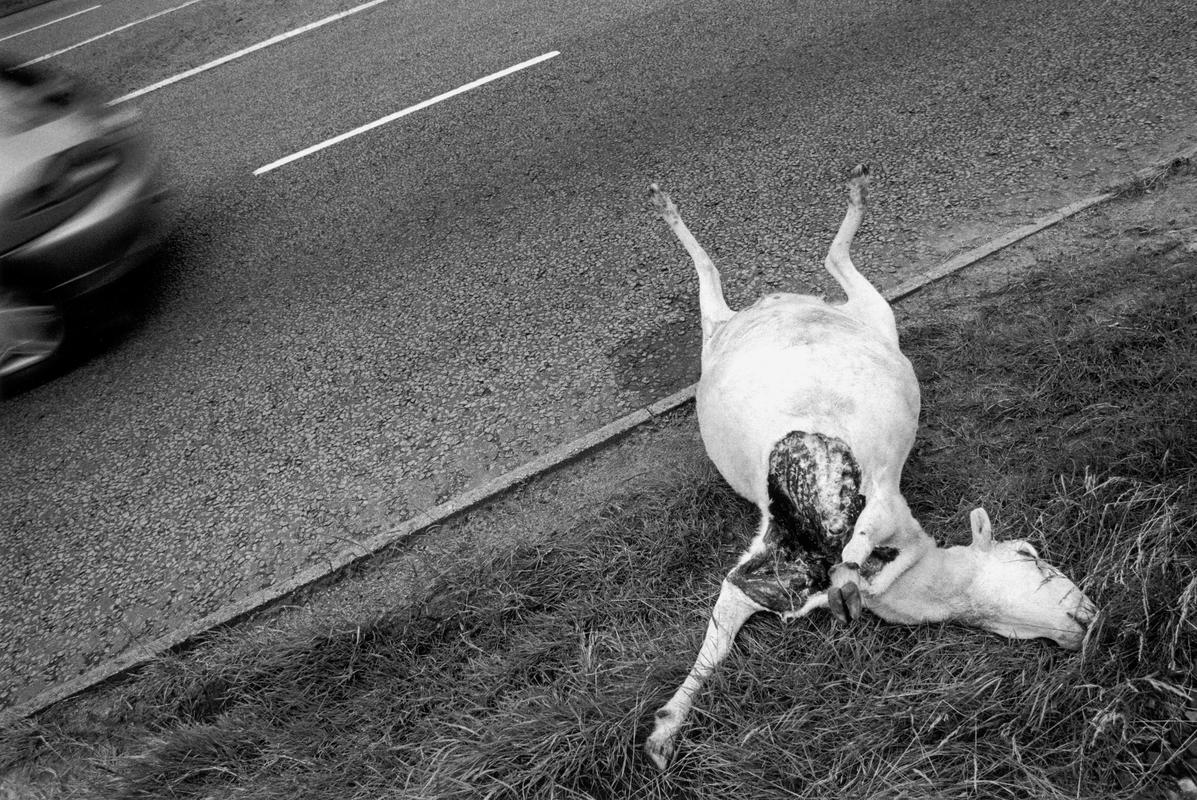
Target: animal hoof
[858,185]
[660,750]
[844,602]
[660,201]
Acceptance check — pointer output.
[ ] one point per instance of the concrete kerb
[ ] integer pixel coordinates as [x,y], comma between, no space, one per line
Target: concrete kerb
[1160,169]
[546,462]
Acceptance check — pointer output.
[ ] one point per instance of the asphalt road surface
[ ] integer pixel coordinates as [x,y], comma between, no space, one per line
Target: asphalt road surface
[339,342]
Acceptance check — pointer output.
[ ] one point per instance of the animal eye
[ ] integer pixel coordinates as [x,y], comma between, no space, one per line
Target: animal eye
[1027,550]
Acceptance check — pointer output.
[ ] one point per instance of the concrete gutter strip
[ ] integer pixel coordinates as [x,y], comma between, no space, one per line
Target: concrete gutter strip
[957,263]
[1147,174]
[556,457]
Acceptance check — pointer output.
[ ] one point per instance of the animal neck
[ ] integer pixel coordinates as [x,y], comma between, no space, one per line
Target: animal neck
[882,481]
[935,588]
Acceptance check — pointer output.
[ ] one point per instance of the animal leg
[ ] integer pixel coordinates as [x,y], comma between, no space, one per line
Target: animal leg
[884,541]
[710,289]
[820,600]
[864,301]
[731,610]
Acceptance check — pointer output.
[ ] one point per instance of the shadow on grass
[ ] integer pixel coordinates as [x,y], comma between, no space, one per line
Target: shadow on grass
[1066,404]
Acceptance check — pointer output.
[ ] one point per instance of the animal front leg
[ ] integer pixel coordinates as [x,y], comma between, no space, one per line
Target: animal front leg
[710,289]
[852,582]
[731,610]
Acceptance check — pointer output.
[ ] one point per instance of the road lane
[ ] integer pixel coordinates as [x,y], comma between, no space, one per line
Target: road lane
[73,27]
[245,51]
[339,345]
[168,44]
[389,118]
[30,28]
[110,32]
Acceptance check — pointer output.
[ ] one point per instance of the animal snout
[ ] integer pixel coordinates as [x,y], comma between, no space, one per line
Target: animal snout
[1085,613]
[1083,617]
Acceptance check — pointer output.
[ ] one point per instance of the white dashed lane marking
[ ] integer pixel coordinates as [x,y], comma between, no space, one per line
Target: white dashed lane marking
[97,37]
[45,24]
[410,109]
[282,37]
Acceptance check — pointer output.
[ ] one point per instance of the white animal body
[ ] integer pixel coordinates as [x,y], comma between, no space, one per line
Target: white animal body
[810,411]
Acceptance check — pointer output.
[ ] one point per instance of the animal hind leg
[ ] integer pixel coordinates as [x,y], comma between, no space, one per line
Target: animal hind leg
[864,301]
[710,289]
[731,610]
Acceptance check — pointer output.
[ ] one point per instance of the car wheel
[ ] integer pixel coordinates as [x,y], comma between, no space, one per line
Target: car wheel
[31,338]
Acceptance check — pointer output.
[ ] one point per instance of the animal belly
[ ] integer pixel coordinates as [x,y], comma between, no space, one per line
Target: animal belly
[814,500]
[750,398]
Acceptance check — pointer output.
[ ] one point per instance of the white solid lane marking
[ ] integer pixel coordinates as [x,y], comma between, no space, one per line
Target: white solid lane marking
[410,109]
[44,24]
[106,33]
[251,49]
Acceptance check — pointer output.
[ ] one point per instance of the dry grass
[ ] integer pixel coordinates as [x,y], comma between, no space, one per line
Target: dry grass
[1066,405]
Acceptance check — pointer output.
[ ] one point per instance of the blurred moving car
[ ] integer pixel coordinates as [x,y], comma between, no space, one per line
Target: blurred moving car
[79,209]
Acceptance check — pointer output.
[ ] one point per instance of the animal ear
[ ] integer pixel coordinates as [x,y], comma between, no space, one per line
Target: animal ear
[982,529]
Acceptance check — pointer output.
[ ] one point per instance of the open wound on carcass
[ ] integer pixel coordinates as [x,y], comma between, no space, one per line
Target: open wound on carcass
[876,560]
[814,500]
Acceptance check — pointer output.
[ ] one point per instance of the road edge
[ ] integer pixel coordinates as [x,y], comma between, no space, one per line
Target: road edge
[546,462]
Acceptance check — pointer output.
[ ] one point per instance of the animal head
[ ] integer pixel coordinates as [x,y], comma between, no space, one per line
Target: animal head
[1017,594]
[1003,587]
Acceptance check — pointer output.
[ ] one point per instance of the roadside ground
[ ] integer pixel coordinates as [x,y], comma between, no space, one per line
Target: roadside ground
[520,650]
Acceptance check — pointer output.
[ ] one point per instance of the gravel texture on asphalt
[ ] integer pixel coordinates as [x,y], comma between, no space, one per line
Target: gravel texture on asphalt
[352,338]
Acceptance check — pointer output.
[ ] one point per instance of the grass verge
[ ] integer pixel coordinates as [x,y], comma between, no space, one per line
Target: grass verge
[1064,404]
